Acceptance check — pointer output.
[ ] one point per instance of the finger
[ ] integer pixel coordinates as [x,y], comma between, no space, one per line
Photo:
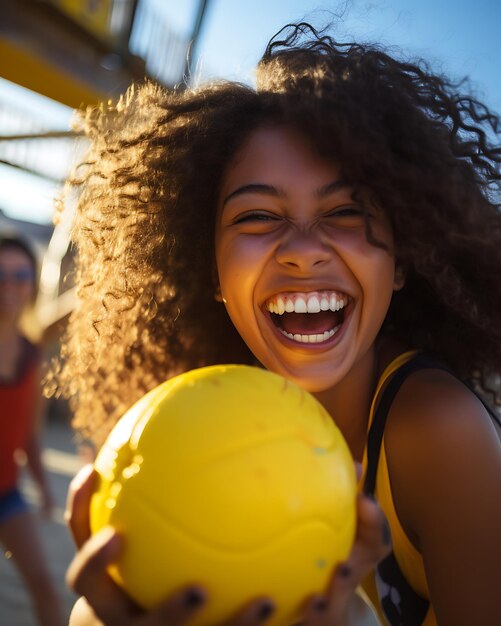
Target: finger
[259,611]
[334,607]
[88,577]
[373,538]
[359,611]
[77,504]
[82,613]
[316,610]
[372,543]
[178,609]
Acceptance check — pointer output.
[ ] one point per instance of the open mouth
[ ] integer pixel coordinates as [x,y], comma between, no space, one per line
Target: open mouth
[313,317]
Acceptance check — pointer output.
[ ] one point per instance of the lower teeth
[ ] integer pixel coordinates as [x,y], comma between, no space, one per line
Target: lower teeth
[311,338]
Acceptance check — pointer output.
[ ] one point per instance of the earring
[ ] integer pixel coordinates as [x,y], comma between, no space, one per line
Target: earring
[400,276]
[218,296]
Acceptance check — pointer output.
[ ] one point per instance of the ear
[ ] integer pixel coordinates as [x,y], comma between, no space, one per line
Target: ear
[400,276]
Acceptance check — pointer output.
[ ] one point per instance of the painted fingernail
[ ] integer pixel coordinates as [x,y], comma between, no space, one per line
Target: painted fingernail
[320,604]
[193,598]
[386,533]
[264,611]
[344,571]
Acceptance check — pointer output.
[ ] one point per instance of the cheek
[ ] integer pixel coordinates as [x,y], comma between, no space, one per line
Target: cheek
[373,268]
[378,282]
[239,264]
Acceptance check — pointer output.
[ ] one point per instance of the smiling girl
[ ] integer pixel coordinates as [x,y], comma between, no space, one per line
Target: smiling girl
[335,225]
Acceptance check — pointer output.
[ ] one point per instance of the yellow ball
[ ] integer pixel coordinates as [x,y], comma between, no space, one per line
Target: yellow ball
[233,478]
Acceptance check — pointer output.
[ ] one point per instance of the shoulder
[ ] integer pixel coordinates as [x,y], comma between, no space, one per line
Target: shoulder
[432,403]
[434,406]
[442,446]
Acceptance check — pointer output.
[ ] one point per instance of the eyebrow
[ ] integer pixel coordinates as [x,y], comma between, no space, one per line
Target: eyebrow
[335,185]
[261,189]
[269,190]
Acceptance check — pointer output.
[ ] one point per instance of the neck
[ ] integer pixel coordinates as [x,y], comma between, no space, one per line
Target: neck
[350,400]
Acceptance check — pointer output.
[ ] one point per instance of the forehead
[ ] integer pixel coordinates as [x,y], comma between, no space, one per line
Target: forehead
[277,155]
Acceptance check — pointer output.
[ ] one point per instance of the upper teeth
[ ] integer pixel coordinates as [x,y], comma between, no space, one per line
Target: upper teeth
[306,302]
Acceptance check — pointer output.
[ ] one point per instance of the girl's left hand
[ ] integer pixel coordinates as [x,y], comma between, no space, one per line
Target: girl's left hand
[341,606]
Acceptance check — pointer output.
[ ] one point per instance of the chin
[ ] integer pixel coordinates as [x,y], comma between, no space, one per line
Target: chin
[313,382]
[313,385]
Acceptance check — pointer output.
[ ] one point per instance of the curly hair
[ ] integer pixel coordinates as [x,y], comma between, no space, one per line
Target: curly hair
[405,138]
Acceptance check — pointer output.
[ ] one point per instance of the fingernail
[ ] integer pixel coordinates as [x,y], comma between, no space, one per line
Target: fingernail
[320,604]
[344,571]
[386,533]
[82,476]
[264,611]
[193,598]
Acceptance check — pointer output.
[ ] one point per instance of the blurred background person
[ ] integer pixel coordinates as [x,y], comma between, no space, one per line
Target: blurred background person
[21,410]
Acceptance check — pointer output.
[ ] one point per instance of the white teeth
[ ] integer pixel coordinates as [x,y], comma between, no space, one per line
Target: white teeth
[300,305]
[312,302]
[311,338]
[306,303]
[313,305]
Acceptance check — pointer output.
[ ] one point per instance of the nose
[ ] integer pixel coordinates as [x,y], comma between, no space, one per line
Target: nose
[303,251]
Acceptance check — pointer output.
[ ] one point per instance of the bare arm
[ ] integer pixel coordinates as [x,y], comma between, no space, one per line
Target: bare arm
[444,459]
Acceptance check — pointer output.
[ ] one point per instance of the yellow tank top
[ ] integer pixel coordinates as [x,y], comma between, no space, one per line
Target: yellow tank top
[406,555]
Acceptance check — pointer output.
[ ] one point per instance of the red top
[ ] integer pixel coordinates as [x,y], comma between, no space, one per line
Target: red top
[17,400]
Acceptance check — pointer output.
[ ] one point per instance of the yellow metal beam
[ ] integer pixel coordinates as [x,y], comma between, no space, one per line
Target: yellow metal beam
[20,66]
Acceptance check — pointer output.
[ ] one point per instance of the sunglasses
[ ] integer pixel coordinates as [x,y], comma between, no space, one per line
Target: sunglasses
[19,277]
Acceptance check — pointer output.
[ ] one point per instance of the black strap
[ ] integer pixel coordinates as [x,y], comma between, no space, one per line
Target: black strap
[375,436]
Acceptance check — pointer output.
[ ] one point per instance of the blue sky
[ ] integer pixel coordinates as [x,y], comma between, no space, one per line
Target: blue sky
[458,37]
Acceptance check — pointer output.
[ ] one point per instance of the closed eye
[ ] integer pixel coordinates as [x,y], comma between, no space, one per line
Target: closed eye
[255,217]
[348,211]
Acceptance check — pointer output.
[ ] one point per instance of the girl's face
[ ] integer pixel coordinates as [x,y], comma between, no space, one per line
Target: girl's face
[16,282]
[302,285]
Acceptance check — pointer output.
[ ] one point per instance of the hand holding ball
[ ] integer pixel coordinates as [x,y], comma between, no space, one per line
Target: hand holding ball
[232,478]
